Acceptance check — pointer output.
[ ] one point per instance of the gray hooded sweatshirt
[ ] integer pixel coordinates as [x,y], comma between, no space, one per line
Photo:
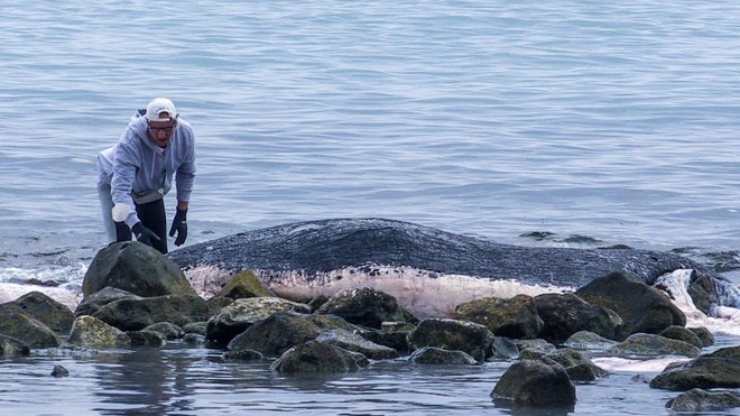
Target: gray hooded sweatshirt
[137,169]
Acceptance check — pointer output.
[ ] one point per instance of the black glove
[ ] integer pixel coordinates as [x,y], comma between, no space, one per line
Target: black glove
[180,225]
[144,235]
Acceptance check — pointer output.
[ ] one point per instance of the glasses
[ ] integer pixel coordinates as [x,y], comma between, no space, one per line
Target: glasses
[163,125]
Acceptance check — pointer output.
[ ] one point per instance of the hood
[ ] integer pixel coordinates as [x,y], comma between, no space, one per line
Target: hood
[139,127]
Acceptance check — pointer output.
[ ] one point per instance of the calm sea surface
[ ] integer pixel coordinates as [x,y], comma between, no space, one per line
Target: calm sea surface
[491,118]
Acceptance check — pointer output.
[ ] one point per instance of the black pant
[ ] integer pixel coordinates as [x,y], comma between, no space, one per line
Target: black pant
[152,216]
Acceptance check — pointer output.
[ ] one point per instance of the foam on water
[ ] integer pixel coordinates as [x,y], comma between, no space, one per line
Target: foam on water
[616,364]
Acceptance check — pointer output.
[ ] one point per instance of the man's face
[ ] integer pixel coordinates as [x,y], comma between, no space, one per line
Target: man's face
[160,131]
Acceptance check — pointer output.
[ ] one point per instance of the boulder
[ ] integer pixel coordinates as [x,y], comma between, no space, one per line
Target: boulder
[437,356]
[514,318]
[97,300]
[243,355]
[195,328]
[146,339]
[706,372]
[533,383]
[651,345]
[276,334]
[704,335]
[643,309]
[316,357]
[240,315]
[365,306]
[503,348]
[316,302]
[46,310]
[732,353]
[59,371]
[535,344]
[682,334]
[166,329]
[698,400]
[578,366]
[136,268]
[136,314]
[351,341]
[588,341]
[91,332]
[450,334]
[398,340]
[192,338]
[703,292]
[29,331]
[11,347]
[564,315]
[245,285]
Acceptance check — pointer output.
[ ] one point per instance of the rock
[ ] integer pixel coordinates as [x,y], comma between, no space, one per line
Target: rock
[732,353]
[704,335]
[535,344]
[706,372]
[450,334]
[146,339]
[97,300]
[192,338]
[59,371]
[11,347]
[196,328]
[91,332]
[166,329]
[564,315]
[398,340]
[29,331]
[351,341]
[682,334]
[46,310]
[434,355]
[698,400]
[365,306]
[529,354]
[650,345]
[136,268]
[642,308]
[503,348]
[535,384]
[588,341]
[316,357]
[316,302]
[578,366]
[276,334]
[240,315]
[703,292]
[243,355]
[514,318]
[135,314]
[245,285]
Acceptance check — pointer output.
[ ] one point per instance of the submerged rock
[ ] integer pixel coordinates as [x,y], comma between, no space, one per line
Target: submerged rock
[135,314]
[588,341]
[650,345]
[243,355]
[513,318]
[59,371]
[365,306]
[245,285]
[439,356]
[88,331]
[698,400]
[535,384]
[136,268]
[564,315]
[146,339]
[450,334]
[351,341]
[316,357]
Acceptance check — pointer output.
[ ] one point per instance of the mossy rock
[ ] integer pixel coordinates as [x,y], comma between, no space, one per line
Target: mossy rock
[245,285]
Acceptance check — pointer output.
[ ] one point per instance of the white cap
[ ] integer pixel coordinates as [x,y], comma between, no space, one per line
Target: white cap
[158,106]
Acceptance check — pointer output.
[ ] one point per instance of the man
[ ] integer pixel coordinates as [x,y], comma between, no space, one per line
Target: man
[136,174]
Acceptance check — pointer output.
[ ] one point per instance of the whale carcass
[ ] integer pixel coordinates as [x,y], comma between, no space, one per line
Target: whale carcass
[427,269]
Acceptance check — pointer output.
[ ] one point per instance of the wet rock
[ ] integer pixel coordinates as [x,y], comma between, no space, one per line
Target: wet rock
[91,332]
[513,318]
[195,328]
[245,285]
[651,345]
[168,330]
[365,306]
[642,308]
[46,310]
[588,341]
[703,291]
[192,338]
[135,314]
[535,384]
[351,341]
[564,315]
[316,357]
[706,337]
[682,334]
[698,400]
[276,334]
[97,300]
[450,334]
[316,302]
[578,366]
[439,356]
[243,313]
[732,353]
[705,372]
[29,331]
[136,268]
[503,348]
[11,347]
[146,339]
[59,371]
[216,303]
[535,344]
[243,355]
[398,340]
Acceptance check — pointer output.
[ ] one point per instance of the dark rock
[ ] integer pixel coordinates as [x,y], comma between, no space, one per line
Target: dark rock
[12,347]
[146,339]
[434,355]
[651,345]
[706,337]
[727,352]
[535,384]
[564,315]
[240,315]
[535,345]
[514,318]
[245,285]
[588,341]
[91,332]
[642,308]
[191,338]
[29,331]
[136,268]
[503,348]
[276,334]
[216,303]
[59,371]
[682,334]
[316,357]
[97,300]
[195,328]
[449,334]
[365,306]
[166,329]
[398,340]
[352,341]
[578,366]
[135,314]
[46,310]
[704,292]
[705,372]
[317,301]
[698,400]
[243,355]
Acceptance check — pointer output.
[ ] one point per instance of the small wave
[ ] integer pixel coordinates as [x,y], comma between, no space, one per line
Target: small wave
[615,364]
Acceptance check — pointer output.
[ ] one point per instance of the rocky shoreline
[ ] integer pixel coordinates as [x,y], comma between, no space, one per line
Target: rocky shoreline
[134,297]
